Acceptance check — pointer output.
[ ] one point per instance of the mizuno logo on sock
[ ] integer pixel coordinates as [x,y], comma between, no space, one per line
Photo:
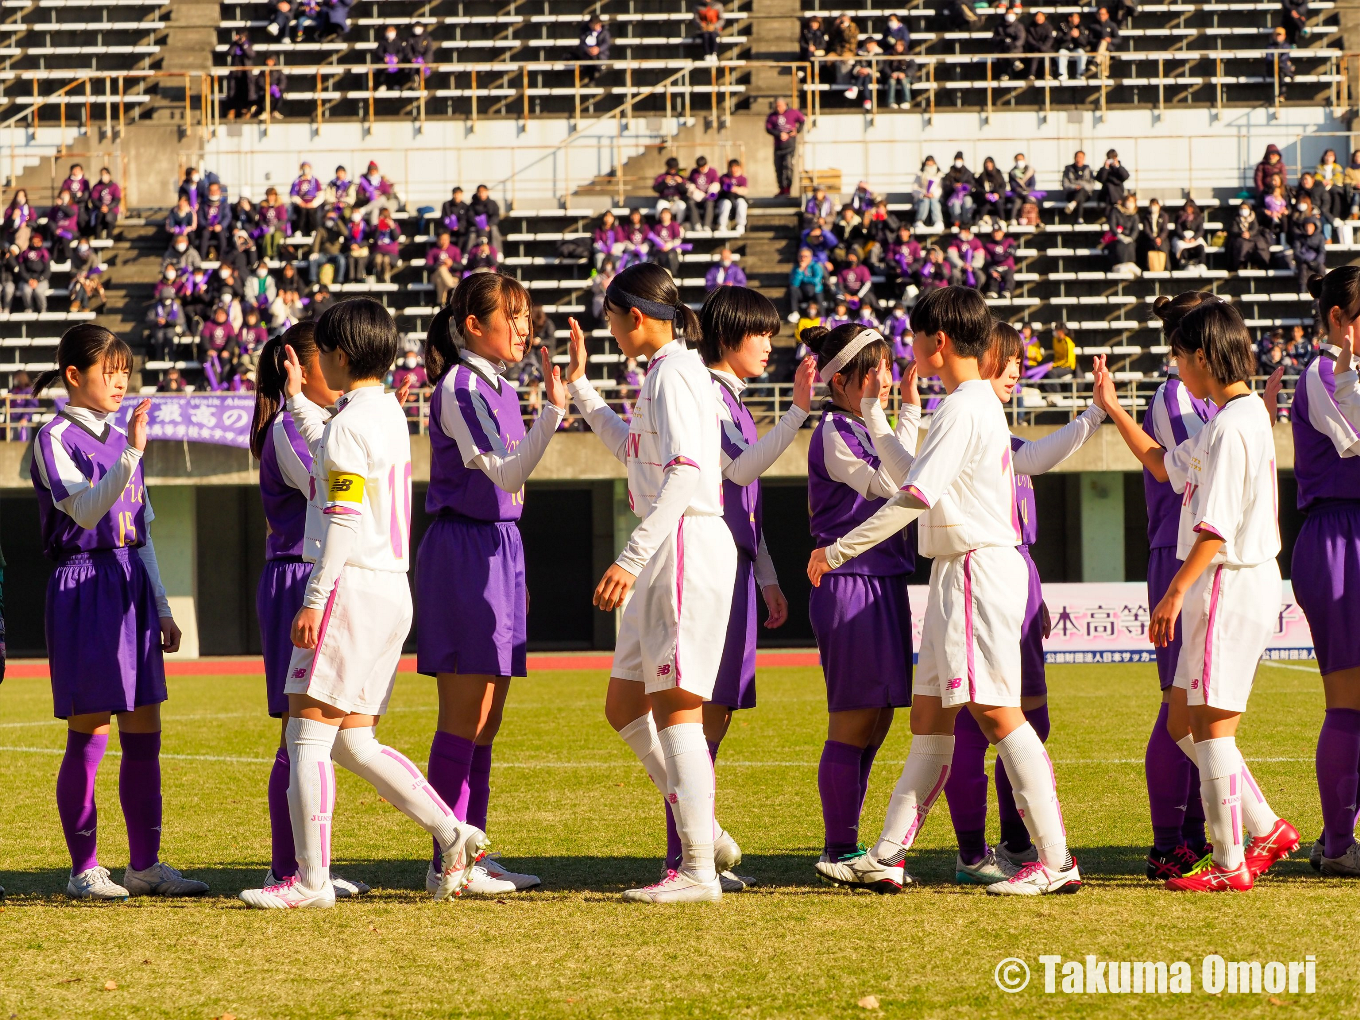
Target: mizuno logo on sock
[85,832]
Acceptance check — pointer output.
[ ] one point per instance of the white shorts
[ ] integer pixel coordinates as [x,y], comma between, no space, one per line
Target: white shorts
[365,624]
[970,637]
[1227,619]
[674,626]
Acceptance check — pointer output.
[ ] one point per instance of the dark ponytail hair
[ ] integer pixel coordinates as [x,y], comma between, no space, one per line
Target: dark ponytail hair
[1215,328]
[82,347]
[1171,310]
[1338,289]
[729,316]
[270,376]
[827,343]
[479,296]
[648,284]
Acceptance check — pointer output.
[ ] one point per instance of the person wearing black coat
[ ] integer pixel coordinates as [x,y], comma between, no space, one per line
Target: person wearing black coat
[958,186]
[1154,237]
[1020,182]
[594,45]
[1111,178]
[989,191]
[1188,243]
[1310,254]
[1101,39]
[1039,38]
[240,86]
[812,40]
[1294,18]
[1124,228]
[1247,244]
[1009,37]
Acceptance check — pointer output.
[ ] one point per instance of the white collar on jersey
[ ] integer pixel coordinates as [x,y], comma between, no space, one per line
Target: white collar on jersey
[674,347]
[1331,349]
[491,369]
[359,393]
[729,380]
[95,421]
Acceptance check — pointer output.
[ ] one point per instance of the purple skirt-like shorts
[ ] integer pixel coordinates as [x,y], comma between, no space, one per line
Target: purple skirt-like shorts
[736,683]
[1033,681]
[863,627]
[277,600]
[1326,578]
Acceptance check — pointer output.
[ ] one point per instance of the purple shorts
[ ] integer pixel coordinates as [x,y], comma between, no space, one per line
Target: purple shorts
[1325,569]
[103,635]
[1033,682]
[277,600]
[736,683]
[471,599]
[1162,567]
[863,628]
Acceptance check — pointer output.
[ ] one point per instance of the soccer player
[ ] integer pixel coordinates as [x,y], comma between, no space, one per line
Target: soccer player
[108,618]
[1228,584]
[961,485]
[860,615]
[679,565]
[1173,782]
[473,601]
[737,325]
[355,615]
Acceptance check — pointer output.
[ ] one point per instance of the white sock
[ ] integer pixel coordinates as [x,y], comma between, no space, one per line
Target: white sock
[923,778]
[397,781]
[311,797]
[689,772]
[640,735]
[1256,813]
[1187,746]
[1220,783]
[1036,794]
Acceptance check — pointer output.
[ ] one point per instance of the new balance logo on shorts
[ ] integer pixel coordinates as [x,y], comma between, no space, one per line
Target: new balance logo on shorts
[673,798]
[664,670]
[299,673]
[1194,684]
[955,683]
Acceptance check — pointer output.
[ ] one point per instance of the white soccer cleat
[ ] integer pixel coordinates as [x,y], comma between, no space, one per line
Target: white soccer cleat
[677,887]
[95,884]
[495,870]
[1034,879]
[863,870]
[1345,866]
[458,859]
[726,853]
[161,880]
[483,883]
[289,894]
[1315,855]
[991,869]
[344,887]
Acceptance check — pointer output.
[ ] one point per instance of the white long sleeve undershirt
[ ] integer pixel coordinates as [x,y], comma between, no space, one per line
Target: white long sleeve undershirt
[890,519]
[337,542]
[896,449]
[678,487]
[761,455]
[1040,455]
[612,430]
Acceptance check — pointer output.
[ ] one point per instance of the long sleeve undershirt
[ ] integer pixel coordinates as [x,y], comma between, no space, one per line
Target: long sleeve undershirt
[337,542]
[612,430]
[509,471]
[764,567]
[896,449]
[1039,455]
[760,455]
[677,492]
[891,518]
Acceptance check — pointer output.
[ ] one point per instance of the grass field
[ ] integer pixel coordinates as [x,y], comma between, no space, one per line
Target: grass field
[570,803]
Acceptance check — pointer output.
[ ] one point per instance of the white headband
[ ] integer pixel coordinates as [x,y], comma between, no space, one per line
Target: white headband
[863,340]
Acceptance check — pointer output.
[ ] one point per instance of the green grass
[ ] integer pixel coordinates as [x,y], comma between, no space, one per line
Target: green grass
[570,803]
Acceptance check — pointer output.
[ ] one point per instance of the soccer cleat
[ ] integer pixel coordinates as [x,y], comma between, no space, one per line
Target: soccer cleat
[1163,865]
[1275,845]
[1206,876]
[991,869]
[95,884]
[1035,879]
[1016,859]
[862,870]
[344,887]
[289,894]
[677,887]
[161,880]
[482,883]
[458,859]
[495,870]
[732,882]
[1315,855]
[726,853]
[1345,866]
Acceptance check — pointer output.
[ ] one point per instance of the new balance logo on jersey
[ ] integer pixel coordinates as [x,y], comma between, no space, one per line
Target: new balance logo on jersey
[298,673]
[664,670]
[955,683]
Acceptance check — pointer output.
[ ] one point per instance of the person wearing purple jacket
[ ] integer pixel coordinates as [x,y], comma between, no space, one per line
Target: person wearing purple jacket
[904,258]
[214,222]
[821,242]
[372,192]
[636,245]
[79,186]
[854,285]
[607,238]
[935,272]
[104,205]
[665,240]
[704,181]
[732,191]
[672,191]
[63,223]
[308,200]
[966,258]
[444,265]
[783,125]
[724,273]
[998,254]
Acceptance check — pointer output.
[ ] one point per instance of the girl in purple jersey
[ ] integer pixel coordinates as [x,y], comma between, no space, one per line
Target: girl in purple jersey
[473,602]
[108,619]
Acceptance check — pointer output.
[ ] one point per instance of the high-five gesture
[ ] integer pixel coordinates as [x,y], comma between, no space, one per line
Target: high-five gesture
[554,388]
[803,380]
[292,370]
[137,424]
[911,385]
[576,367]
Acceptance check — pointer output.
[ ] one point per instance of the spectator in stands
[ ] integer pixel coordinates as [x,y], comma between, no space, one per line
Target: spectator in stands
[1247,245]
[180,255]
[708,22]
[898,73]
[862,199]
[321,300]
[903,260]
[818,207]
[593,48]
[1269,170]
[1330,175]
[1073,42]
[1112,177]
[783,125]
[482,257]
[1188,243]
[240,87]
[225,287]
[63,223]
[1310,254]
[357,249]
[1154,237]
[864,74]
[961,13]
[1019,185]
[1123,228]
[335,18]
[821,242]
[1034,348]
[1270,352]
[392,52]
[882,226]
[936,272]
[214,222]
[840,315]
[241,253]
[79,186]
[635,243]
[1294,19]
[307,19]
[484,216]
[724,273]
[1310,201]
[308,201]
[270,81]
[607,238]
[1008,36]
[35,274]
[732,191]
[9,277]
[273,224]
[386,247]
[599,284]
[848,232]
[340,190]
[418,51]
[671,190]
[812,39]
[855,286]
[894,31]
[809,317]
[666,238]
[1102,38]
[280,17]
[373,191]
[19,217]
[1279,68]
[165,322]
[1064,358]
[191,287]
[998,263]
[927,195]
[1302,348]
[182,221]
[1040,40]
[989,193]
[843,45]
[966,258]
[1275,219]
[453,214]
[807,281]
[1352,178]
[704,185]
[171,381]
[410,368]
[329,242]
[213,338]
[958,186]
[259,290]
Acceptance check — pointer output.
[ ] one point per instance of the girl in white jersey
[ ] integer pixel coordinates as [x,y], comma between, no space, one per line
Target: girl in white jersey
[1227,591]
[679,565]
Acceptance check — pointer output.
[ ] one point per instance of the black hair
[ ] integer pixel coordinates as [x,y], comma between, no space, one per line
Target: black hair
[649,282]
[364,330]
[1338,289]
[1006,345]
[82,347]
[479,296]
[1216,329]
[729,316]
[961,314]
[827,343]
[270,376]
[1171,310]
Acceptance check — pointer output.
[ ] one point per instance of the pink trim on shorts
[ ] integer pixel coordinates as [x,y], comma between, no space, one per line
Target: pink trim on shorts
[679,592]
[321,631]
[1214,592]
[968,619]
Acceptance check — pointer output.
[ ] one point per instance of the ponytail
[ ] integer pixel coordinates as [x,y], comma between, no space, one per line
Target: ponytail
[650,289]
[440,352]
[82,347]
[271,375]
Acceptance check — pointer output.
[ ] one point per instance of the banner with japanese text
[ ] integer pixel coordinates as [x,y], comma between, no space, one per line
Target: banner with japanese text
[1107,622]
[221,418]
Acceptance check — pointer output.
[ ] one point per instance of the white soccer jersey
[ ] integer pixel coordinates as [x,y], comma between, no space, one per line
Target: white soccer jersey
[1227,475]
[310,420]
[963,473]
[363,468]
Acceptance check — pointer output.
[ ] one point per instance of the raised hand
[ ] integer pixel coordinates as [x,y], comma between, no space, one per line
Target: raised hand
[1347,352]
[404,390]
[1273,387]
[137,425]
[873,385]
[803,380]
[576,347]
[553,386]
[292,370]
[911,385]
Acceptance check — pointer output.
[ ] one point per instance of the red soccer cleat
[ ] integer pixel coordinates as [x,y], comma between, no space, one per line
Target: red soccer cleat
[1207,876]
[1275,845]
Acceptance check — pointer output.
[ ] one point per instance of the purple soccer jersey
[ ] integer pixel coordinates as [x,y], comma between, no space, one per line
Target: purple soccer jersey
[1163,502]
[68,457]
[1026,509]
[741,503]
[285,462]
[491,412]
[1323,475]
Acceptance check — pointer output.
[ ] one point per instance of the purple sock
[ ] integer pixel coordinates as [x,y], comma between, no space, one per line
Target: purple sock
[139,792]
[966,788]
[713,746]
[75,796]
[1014,834]
[1192,829]
[448,772]
[674,851]
[1338,760]
[838,784]
[1168,778]
[282,855]
[479,786]
[866,766]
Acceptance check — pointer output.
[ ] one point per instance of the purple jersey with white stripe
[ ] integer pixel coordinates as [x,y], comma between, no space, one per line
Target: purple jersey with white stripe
[1323,475]
[835,509]
[285,505]
[1026,508]
[1173,404]
[68,458]
[741,503]
[490,409]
